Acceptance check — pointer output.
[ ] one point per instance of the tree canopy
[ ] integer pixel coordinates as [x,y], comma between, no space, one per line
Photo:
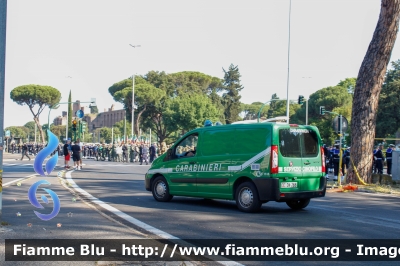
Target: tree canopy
[388,116]
[231,96]
[36,96]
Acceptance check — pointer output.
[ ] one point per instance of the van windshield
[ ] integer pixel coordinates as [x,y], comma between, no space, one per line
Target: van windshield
[296,142]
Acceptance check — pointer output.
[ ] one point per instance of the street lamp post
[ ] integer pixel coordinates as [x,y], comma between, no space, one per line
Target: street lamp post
[66,127]
[133,94]
[288,63]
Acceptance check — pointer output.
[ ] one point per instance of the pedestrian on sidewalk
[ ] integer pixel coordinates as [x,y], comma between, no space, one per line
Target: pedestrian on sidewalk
[76,151]
[66,150]
[25,152]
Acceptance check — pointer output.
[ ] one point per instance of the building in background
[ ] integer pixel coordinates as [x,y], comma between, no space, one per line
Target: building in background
[106,119]
[61,120]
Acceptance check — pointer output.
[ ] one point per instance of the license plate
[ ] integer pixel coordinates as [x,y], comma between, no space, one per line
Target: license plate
[288,184]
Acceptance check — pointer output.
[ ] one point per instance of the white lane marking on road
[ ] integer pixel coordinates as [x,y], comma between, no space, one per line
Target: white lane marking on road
[130,219]
[19,179]
[118,212]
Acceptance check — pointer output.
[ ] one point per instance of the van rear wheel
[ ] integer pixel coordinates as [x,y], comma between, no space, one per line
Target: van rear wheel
[160,189]
[298,204]
[247,197]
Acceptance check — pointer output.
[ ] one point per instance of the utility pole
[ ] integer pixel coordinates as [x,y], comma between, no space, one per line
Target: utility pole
[125,129]
[3,22]
[133,95]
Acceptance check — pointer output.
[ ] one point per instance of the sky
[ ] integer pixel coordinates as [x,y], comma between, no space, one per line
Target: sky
[84,46]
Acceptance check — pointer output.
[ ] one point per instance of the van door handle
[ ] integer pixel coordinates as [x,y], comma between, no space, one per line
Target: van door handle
[192,162]
[307,163]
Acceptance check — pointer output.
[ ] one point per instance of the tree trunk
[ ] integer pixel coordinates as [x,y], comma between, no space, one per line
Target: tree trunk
[137,120]
[368,87]
[36,119]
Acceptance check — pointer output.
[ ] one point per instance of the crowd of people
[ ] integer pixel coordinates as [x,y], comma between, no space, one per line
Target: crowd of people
[119,152]
[332,156]
[29,148]
[134,151]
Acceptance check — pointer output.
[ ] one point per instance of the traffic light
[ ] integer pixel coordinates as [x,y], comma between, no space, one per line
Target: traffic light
[322,110]
[83,124]
[301,99]
[74,124]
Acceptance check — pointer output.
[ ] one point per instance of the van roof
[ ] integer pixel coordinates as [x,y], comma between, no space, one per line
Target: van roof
[278,119]
[246,125]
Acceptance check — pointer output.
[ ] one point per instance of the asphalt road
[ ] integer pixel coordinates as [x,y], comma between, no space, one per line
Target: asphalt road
[121,185]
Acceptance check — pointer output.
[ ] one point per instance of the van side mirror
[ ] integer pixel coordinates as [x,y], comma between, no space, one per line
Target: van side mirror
[169,155]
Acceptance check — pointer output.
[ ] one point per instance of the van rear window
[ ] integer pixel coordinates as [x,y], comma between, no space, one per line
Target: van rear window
[297,142]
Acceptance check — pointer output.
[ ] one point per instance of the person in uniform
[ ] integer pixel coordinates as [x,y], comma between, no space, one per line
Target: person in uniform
[379,159]
[346,160]
[374,159]
[136,153]
[336,160]
[110,154]
[131,152]
[145,153]
[327,154]
[124,153]
[25,152]
[153,152]
[141,153]
[389,152]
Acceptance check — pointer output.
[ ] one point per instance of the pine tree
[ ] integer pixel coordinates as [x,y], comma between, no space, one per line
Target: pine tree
[368,87]
[231,98]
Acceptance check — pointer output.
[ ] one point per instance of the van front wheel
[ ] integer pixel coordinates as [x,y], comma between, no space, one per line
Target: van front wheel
[298,204]
[247,197]
[160,189]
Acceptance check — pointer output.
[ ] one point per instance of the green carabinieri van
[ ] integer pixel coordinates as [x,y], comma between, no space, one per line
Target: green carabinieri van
[250,163]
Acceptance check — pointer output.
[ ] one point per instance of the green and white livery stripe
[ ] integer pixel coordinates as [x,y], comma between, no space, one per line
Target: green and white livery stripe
[256,158]
[231,168]
[161,171]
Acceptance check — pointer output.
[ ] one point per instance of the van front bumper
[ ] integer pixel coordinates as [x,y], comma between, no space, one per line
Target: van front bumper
[268,190]
[147,182]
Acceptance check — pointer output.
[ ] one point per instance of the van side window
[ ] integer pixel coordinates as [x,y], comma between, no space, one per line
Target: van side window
[187,147]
